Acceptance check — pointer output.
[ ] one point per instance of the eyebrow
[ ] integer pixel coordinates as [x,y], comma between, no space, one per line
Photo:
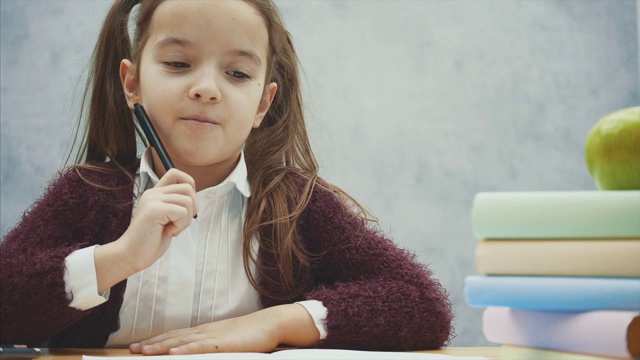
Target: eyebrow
[174,41]
[250,55]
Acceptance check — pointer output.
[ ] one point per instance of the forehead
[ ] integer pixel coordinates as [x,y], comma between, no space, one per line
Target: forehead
[211,25]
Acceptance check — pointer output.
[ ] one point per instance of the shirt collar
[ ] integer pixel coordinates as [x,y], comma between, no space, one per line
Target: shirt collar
[237,178]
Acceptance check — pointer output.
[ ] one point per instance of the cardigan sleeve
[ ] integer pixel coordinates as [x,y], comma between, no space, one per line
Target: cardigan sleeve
[70,215]
[378,296]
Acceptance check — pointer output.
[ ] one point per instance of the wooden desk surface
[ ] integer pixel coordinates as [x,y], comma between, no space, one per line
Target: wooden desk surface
[492,353]
[504,352]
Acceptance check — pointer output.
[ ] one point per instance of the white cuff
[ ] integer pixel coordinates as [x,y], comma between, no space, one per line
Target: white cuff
[81,281]
[319,314]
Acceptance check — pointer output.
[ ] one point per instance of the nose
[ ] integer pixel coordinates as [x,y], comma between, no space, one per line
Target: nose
[205,88]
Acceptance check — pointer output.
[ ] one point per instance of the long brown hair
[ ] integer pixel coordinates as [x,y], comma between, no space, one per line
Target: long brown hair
[278,154]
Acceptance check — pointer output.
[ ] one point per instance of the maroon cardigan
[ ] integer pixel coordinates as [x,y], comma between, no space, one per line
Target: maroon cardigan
[377,295]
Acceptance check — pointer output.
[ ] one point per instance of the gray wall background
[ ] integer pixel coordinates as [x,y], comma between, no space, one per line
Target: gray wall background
[414,106]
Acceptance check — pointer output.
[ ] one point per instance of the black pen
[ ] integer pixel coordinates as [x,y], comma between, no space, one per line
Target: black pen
[153,138]
[10,352]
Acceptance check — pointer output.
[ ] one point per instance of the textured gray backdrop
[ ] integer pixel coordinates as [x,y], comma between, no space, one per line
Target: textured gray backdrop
[414,106]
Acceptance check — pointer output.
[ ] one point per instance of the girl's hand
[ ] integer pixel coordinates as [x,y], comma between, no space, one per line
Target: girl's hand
[261,331]
[162,213]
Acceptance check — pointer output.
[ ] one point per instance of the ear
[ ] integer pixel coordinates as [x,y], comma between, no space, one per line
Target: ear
[129,82]
[268,94]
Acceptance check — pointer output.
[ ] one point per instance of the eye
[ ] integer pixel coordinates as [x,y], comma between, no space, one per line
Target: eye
[238,75]
[176,65]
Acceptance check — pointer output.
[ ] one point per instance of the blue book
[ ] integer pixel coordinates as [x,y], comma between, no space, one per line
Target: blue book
[553,293]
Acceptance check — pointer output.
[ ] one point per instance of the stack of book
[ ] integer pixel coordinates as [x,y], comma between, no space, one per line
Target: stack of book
[559,270]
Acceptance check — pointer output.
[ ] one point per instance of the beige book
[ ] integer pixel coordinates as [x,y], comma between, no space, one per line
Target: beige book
[559,257]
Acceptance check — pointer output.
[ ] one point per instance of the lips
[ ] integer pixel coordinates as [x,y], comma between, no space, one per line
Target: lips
[200,119]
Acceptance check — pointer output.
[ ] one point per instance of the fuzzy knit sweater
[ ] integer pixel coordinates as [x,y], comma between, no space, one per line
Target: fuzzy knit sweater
[377,295]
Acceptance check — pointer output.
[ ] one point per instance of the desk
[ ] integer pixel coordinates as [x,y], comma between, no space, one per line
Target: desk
[492,353]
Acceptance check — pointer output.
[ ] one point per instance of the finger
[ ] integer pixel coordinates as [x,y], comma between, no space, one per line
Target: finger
[166,336]
[183,189]
[171,218]
[135,348]
[157,193]
[164,209]
[179,200]
[175,176]
[175,219]
[164,346]
[201,346]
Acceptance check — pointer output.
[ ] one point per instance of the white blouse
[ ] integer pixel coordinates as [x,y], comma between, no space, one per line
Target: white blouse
[199,279]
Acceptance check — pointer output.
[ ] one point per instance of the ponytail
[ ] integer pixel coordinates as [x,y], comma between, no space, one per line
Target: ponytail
[110,132]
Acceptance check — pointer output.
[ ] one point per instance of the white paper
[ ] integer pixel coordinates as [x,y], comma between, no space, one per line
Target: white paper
[306,354]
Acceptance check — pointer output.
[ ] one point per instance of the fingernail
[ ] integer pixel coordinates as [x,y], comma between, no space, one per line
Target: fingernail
[147,348]
[134,347]
[175,351]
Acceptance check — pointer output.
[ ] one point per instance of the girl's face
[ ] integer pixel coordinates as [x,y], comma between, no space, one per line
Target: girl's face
[202,80]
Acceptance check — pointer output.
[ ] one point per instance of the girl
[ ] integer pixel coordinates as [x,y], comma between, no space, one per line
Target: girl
[111,256]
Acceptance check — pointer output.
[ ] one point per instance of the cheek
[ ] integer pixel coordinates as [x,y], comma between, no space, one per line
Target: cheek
[155,83]
[245,102]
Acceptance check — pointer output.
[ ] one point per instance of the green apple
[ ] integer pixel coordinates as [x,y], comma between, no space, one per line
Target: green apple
[612,150]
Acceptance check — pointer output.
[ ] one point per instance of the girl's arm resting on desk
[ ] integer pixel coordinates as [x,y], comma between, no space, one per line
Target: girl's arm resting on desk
[378,296]
[261,331]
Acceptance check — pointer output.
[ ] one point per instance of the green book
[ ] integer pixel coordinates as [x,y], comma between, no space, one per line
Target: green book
[556,214]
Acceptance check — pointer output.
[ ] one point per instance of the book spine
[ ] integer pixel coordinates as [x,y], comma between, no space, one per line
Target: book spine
[557,214]
[553,293]
[602,333]
[559,257]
